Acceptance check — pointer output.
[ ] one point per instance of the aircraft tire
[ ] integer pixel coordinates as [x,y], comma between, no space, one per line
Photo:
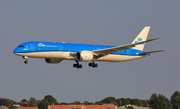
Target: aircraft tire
[95,65]
[90,64]
[75,65]
[79,66]
[26,61]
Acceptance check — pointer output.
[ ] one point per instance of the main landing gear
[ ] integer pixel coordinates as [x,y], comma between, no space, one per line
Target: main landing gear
[93,65]
[77,65]
[26,61]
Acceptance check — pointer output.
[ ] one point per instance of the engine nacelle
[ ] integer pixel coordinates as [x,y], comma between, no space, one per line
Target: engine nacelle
[84,56]
[53,61]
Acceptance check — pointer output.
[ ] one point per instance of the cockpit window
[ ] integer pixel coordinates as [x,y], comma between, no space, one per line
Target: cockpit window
[21,46]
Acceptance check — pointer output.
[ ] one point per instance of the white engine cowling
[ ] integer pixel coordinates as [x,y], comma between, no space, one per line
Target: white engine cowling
[84,56]
[53,61]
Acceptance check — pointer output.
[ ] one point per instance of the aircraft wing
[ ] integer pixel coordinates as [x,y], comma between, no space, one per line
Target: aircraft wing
[103,52]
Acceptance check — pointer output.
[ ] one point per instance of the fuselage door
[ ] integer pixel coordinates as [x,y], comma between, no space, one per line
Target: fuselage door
[61,51]
[32,47]
[60,48]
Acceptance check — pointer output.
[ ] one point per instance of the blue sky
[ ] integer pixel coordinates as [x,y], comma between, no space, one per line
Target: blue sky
[103,22]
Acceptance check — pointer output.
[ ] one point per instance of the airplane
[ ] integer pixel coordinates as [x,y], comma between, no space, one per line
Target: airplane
[55,52]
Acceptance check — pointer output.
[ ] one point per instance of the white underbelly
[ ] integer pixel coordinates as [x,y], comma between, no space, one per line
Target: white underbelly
[118,58]
[42,54]
[67,56]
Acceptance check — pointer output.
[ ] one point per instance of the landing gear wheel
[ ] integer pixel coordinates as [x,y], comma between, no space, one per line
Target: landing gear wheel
[90,64]
[26,61]
[93,65]
[80,66]
[77,65]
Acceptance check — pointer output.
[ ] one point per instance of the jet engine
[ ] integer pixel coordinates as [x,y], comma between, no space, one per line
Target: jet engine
[53,61]
[84,56]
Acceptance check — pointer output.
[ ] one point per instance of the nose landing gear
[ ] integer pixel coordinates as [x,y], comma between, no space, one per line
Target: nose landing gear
[26,61]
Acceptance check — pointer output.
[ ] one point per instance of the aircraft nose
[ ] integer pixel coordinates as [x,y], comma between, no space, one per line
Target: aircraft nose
[16,51]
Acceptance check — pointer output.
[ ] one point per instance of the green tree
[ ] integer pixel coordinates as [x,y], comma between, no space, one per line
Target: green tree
[43,104]
[133,101]
[176,93]
[87,103]
[119,101]
[23,100]
[145,103]
[98,103]
[76,102]
[159,102]
[126,102]
[175,99]
[63,103]
[12,107]
[139,103]
[51,100]
[108,100]
[32,102]
[6,102]
[115,103]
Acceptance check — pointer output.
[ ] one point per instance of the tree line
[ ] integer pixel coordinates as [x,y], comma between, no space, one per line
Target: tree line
[156,101]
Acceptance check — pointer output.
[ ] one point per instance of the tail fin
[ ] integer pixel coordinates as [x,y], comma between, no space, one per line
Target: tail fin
[141,37]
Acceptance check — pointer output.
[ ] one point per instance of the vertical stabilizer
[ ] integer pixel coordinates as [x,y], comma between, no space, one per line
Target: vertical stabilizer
[142,36]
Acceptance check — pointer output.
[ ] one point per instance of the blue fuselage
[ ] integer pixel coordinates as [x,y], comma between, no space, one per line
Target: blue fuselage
[37,46]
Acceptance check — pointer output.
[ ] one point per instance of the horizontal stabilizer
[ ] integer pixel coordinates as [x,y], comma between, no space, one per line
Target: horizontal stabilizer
[148,53]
